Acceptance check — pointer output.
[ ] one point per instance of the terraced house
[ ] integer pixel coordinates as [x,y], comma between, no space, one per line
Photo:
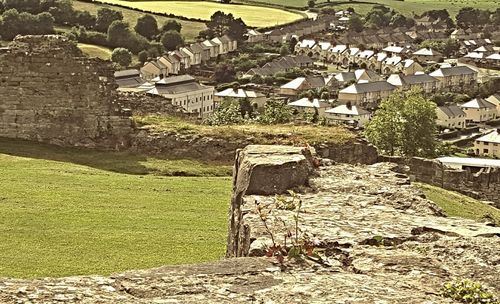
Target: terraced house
[458,78]
[367,94]
[424,82]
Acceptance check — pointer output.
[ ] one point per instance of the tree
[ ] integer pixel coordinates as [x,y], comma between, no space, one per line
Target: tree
[171,25]
[291,45]
[120,35]
[224,73]
[62,11]
[121,56]
[356,24]
[85,19]
[171,40]
[221,24]
[226,1]
[311,3]
[404,124]
[146,26]
[105,17]
[143,56]
[284,50]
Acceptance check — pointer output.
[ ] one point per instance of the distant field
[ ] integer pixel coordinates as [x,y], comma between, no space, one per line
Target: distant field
[95,51]
[189,30]
[73,212]
[406,6]
[252,15]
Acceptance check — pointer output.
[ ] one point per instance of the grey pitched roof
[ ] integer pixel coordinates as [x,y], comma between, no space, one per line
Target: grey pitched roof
[453,71]
[127,73]
[452,110]
[175,80]
[420,78]
[366,87]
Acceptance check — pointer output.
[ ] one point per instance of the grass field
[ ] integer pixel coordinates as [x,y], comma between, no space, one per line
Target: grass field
[70,212]
[456,204]
[95,51]
[189,30]
[252,15]
[406,6]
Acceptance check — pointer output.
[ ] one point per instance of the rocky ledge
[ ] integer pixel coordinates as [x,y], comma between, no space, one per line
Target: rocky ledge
[379,240]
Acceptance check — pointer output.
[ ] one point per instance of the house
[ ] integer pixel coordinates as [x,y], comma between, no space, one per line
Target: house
[488,145]
[479,110]
[186,92]
[457,78]
[213,47]
[302,84]
[427,56]
[226,44]
[450,117]
[426,83]
[350,114]
[254,36]
[335,52]
[282,64]
[153,69]
[305,47]
[184,58]
[397,64]
[495,99]
[366,94]
[348,56]
[310,106]
[194,56]
[361,75]
[171,62]
[320,50]
[131,81]
[258,100]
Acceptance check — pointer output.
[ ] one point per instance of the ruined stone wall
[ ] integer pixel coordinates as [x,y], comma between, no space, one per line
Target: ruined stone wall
[224,150]
[51,92]
[484,185]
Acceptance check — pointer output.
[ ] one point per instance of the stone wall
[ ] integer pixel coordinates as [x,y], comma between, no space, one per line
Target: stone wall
[224,150]
[484,185]
[51,92]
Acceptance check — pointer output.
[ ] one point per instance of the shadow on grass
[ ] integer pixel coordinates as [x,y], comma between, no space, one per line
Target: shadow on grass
[120,162]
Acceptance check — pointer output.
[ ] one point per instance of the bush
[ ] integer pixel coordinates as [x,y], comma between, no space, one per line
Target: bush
[226,114]
[276,112]
[467,291]
[122,56]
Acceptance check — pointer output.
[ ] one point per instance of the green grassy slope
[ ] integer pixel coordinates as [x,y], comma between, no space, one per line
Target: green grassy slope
[406,6]
[70,213]
[456,204]
[189,30]
[252,15]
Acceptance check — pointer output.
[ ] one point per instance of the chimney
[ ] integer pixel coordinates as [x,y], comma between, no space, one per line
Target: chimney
[348,105]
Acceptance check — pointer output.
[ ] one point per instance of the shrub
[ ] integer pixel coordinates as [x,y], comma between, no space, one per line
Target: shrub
[467,291]
[276,112]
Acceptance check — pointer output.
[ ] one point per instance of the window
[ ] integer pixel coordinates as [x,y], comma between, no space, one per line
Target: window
[485,151]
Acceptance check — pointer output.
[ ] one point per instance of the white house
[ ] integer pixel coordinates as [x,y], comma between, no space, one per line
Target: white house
[488,145]
[348,113]
[186,92]
[307,105]
[257,99]
[479,110]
